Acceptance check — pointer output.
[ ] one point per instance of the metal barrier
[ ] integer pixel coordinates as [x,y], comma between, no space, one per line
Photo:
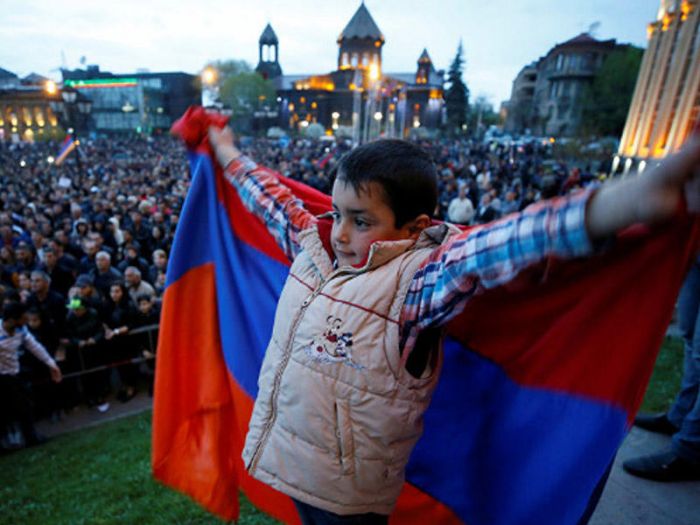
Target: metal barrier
[149,330]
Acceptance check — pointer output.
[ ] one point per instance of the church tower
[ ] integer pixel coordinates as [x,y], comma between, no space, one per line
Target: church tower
[360,43]
[268,54]
[425,68]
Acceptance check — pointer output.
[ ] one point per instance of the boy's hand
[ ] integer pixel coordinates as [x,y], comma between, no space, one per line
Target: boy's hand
[668,182]
[221,141]
[56,375]
[650,198]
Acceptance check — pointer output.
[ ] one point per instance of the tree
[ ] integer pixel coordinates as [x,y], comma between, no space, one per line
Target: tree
[244,91]
[482,115]
[457,95]
[605,104]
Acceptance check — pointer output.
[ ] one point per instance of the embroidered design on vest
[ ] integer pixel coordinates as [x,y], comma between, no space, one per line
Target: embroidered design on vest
[333,345]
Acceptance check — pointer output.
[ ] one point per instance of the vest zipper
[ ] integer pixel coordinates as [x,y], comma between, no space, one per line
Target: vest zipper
[278,378]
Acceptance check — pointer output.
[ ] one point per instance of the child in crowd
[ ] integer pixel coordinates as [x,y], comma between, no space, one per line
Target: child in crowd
[16,404]
[355,350]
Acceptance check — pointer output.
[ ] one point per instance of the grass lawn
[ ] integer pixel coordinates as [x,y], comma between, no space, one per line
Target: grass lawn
[102,475]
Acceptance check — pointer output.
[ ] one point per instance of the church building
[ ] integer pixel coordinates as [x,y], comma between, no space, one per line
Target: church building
[358,95]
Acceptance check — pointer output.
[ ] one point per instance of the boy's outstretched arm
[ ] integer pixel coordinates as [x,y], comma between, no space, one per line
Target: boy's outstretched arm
[493,254]
[262,194]
[650,198]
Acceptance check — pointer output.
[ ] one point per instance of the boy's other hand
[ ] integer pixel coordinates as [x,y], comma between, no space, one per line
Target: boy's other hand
[675,177]
[56,375]
[221,141]
[650,198]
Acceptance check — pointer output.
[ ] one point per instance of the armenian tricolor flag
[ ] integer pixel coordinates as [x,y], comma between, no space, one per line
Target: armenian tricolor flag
[541,380]
[68,145]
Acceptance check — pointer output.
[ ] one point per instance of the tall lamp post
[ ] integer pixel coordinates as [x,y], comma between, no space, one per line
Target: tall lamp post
[74,110]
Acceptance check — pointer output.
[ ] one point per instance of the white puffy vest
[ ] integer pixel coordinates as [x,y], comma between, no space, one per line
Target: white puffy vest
[337,415]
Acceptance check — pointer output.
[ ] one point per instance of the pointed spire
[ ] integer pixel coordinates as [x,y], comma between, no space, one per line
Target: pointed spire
[361,25]
[424,57]
[268,36]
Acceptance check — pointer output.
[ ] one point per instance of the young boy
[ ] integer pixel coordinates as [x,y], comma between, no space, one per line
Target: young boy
[16,404]
[355,349]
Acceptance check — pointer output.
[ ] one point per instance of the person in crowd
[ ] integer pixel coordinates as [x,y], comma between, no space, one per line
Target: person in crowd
[87,262]
[486,212]
[49,304]
[25,260]
[159,266]
[104,274]
[460,210]
[46,396]
[132,257]
[118,318]
[86,290]
[16,404]
[24,285]
[681,461]
[136,285]
[83,341]
[61,278]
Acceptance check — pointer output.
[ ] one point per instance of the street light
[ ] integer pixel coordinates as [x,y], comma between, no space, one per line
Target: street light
[50,87]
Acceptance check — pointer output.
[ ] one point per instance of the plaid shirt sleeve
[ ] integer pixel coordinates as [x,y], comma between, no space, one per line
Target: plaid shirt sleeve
[267,198]
[489,256]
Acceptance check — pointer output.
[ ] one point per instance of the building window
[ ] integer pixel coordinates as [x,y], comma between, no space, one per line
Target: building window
[39,116]
[354,60]
[344,62]
[365,59]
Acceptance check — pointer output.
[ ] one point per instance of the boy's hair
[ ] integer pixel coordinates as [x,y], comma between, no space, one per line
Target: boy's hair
[13,311]
[405,172]
[144,297]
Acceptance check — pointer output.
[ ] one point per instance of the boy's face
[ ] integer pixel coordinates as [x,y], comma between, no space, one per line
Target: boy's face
[145,306]
[359,220]
[34,321]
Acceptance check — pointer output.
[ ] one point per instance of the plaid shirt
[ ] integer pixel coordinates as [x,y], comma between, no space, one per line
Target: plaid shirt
[484,257]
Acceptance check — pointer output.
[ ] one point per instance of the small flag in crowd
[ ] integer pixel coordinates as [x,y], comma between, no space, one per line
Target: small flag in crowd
[68,145]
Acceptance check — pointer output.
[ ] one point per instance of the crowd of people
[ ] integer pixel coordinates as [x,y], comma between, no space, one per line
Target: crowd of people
[85,247]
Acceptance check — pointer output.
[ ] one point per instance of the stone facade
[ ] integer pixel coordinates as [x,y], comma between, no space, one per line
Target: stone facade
[666,101]
[546,93]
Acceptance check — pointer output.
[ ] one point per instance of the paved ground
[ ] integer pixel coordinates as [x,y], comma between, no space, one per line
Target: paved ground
[632,501]
[626,499]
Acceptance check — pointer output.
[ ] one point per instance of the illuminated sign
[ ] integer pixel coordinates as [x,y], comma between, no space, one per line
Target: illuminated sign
[101,83]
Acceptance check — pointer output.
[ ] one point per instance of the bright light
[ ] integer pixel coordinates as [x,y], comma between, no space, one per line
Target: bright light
[304,123]
[642,166]
[22,163]
[50,87]
[209,75]
[335,114]
[378,115]
[50,159]
[552,140]
[374,71]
